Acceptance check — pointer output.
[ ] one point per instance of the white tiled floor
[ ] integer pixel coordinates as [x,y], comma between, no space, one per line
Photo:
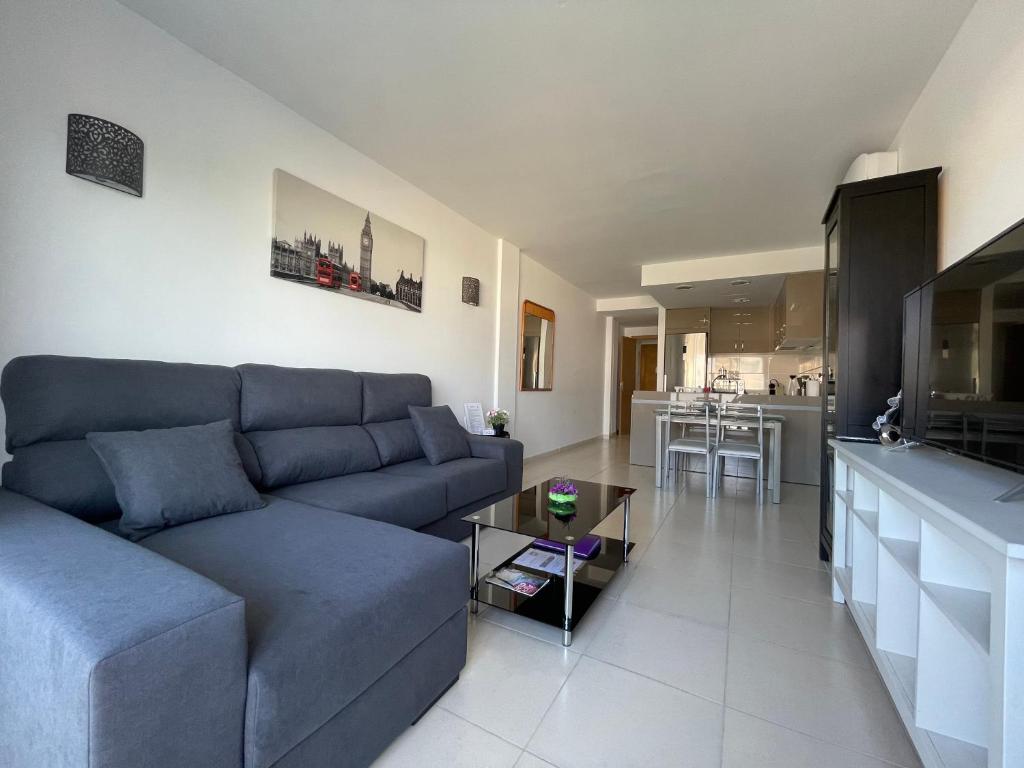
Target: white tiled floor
[717,646]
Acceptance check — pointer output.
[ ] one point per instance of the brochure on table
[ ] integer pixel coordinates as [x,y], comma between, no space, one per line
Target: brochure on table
[548,562]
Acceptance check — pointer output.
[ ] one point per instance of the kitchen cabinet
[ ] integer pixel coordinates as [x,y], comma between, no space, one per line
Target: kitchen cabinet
[688,320]
[797,314]
[736,330]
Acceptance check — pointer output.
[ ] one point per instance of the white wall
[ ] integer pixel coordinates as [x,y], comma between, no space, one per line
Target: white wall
[182,273]
[575,409]
[970,120]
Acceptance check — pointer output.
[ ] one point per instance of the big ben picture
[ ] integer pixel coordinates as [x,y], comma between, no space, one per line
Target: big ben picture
[312,231]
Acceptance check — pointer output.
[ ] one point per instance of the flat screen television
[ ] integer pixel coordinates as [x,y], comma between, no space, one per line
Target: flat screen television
[963,355]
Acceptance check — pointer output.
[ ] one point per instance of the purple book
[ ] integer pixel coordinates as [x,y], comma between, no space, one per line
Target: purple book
[584,549]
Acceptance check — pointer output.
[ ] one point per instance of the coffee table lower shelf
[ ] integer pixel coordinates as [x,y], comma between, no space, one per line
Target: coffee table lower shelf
[547,606]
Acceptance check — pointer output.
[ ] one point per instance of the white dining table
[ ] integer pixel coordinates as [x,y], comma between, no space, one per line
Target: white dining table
[772,424]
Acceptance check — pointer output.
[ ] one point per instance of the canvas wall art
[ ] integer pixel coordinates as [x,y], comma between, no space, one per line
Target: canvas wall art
[330,244]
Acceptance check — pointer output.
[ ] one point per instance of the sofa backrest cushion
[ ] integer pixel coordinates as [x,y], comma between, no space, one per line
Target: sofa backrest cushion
[290,456]
[387,396]
[48,397]
[286,398]
[51,402]
[396,441]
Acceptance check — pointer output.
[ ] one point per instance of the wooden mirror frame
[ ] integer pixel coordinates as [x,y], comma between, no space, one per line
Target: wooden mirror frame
[531,308]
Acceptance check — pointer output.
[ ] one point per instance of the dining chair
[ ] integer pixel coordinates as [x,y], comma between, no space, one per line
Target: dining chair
[686,446]
[740,419]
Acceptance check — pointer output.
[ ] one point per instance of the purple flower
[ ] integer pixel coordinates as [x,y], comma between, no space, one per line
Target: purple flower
[564,487]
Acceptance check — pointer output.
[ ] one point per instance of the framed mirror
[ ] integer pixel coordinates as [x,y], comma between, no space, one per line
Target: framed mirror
[536,348]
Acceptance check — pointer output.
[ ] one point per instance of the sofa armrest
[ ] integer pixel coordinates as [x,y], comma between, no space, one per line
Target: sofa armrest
[111,655]
[509,451]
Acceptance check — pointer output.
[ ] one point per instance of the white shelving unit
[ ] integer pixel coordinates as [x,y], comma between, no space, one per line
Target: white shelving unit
[932,571]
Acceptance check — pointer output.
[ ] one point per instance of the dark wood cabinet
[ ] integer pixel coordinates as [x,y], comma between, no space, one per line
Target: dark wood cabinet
[880,243]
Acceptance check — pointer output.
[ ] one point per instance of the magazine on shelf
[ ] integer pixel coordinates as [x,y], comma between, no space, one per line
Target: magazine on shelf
[549,562]
[517,581]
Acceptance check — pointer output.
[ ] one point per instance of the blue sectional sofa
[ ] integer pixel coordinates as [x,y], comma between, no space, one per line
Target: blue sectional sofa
[309,632]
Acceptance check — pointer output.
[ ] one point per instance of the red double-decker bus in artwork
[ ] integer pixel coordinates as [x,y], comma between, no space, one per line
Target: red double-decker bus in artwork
[325,272]
[355,282]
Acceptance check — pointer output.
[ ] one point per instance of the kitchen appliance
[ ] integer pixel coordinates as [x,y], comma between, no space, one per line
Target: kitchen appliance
[813,387]
[686,361]
[963,354]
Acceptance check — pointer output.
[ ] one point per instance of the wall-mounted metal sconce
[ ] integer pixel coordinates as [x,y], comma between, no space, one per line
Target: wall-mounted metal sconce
[104,152]
[471,291]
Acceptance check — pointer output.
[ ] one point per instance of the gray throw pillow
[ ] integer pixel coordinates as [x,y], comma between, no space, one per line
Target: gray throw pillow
[166,477]
[441,436]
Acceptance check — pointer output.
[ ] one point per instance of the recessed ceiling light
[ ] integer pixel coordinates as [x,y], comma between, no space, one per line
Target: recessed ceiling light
[741,300]
[683,287]
[739,282]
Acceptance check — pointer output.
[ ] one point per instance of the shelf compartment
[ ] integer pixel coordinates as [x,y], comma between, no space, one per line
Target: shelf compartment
[958,754]
[895,520]
[898,599]
[906,553]
[869,517]
[905,670]
[865,493]
[968,610]
[953,689]
[943,561]
[864,562]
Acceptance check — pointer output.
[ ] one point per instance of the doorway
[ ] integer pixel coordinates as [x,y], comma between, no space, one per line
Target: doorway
[638,370]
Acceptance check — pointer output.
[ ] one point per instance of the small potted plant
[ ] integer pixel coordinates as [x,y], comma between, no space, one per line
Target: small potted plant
[497,419]
[562,496]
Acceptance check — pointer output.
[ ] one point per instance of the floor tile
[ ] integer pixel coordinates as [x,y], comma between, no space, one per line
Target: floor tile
[751,544]
[825,630]
[526,760]
[673,650]
[781,579]
[705,601]
[700,559]
[443,739]
[606,717]
[585,631]
[754,743]
[829,700]
[502,664]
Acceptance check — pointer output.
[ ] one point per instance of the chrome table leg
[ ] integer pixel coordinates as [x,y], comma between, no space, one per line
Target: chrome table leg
[625,531]
[474,594]
[567,610]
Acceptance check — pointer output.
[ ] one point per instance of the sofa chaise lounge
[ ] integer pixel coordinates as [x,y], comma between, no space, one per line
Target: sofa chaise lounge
[309,632]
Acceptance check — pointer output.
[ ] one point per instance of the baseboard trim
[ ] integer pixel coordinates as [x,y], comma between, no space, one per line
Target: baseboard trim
[564,448]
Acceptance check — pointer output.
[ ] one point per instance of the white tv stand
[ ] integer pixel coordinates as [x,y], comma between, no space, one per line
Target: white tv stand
[932,569]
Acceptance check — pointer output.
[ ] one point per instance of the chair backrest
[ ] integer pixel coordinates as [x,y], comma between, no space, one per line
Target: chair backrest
[691,408]
[753,414]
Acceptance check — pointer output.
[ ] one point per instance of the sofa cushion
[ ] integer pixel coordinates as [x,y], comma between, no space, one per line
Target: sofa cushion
[48,397]
[165,477]
[289,456]
[396,441]
[332,603]
[441,436]
[465,480]
[283,398]
[404,500]
[387,396]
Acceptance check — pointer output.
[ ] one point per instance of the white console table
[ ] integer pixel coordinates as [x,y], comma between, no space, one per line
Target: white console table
[932,570]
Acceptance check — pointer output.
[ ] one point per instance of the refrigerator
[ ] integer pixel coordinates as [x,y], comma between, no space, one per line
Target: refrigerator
[686,361]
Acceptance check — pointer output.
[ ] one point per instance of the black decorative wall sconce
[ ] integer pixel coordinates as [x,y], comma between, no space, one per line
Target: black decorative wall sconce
[471,291]
[104,152]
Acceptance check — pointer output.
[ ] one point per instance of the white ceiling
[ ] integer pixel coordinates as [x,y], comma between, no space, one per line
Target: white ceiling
[596,136]
[760,291]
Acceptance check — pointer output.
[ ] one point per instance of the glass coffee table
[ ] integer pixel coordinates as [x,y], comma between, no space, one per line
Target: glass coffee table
[563,601]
